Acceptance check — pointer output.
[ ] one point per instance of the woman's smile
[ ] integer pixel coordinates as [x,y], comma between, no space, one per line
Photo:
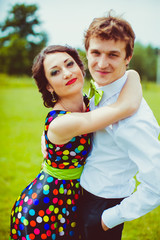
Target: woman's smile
[73,80]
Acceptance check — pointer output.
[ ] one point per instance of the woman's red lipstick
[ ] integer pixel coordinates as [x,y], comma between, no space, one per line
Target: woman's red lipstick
[71,81]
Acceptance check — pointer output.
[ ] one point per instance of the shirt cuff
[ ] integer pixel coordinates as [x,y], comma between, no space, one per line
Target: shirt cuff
[111,217]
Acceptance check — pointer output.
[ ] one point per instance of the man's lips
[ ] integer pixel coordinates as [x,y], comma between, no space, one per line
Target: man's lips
[102,72]
[71,81]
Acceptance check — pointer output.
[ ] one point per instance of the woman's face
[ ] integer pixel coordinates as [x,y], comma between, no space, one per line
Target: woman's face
[63,74]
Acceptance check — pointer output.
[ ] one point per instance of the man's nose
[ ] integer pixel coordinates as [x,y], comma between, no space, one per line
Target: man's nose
[103,62]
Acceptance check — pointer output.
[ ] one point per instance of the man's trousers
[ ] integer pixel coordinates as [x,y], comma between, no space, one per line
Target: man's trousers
[91,210]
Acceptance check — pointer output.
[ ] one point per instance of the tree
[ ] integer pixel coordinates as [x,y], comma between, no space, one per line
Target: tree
[83,57]
[144,61]
[22,39]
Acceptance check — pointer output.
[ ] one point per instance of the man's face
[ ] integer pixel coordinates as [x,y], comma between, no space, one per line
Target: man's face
[106,60]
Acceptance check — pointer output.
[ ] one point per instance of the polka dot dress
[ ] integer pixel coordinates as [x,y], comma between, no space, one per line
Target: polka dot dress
[47,208]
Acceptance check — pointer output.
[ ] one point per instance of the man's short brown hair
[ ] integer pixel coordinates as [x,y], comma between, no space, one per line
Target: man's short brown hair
[111,28]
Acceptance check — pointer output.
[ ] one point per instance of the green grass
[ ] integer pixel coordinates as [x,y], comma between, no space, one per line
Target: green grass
[21,126]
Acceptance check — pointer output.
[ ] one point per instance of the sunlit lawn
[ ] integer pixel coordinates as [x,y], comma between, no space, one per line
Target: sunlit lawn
[21,126]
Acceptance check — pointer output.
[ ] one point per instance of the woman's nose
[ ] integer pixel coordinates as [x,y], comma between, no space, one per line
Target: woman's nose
[67,73]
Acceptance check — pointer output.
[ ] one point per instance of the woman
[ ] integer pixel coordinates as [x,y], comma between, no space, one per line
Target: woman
[48,207]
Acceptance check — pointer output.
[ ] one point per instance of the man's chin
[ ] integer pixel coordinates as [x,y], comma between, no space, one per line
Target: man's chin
[102,81]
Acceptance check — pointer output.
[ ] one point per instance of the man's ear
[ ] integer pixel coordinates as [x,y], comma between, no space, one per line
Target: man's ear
[128,59]
[49,88]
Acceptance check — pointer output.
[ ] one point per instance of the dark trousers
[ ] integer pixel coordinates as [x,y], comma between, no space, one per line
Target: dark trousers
[91,210]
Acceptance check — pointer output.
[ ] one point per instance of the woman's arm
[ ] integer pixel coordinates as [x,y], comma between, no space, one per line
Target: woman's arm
[131,94]
[65,127]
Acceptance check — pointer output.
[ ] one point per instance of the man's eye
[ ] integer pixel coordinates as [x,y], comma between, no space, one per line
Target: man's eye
[113,55]
[95,53]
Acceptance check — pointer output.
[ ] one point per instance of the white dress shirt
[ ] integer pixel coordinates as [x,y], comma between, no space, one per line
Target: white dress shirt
[120,151]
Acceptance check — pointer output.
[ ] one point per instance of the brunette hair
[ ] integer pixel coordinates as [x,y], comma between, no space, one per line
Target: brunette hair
[39,74]
[111,28]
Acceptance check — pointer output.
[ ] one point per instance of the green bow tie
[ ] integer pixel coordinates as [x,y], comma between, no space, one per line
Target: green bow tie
[97,93]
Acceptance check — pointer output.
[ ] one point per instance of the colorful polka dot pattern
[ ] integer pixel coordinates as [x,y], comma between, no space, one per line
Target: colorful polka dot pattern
[47,208]
[70,155]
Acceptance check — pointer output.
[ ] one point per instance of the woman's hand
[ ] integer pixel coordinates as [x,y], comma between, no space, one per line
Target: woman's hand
[43,146]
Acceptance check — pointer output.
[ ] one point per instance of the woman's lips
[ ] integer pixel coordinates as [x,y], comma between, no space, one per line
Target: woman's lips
[71,81]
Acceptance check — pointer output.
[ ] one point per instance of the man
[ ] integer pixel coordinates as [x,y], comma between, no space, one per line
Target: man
[121,150]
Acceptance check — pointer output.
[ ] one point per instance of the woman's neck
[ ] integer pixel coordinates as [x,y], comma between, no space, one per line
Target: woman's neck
[72,104]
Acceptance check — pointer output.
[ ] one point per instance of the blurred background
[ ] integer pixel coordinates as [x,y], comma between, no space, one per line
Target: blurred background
[25,28]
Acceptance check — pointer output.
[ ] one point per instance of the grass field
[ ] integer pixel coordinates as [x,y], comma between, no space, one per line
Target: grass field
[21,126]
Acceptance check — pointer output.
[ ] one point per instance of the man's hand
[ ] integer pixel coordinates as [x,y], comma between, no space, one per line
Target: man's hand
[105,228]
[43,146]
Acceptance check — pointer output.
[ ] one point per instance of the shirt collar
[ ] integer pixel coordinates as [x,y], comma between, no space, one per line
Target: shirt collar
[113,88]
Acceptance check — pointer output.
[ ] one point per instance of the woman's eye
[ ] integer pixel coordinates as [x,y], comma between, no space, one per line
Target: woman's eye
[54,72]
[71,63]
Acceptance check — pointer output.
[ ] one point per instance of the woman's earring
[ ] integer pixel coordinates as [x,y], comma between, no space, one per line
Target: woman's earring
[54,100]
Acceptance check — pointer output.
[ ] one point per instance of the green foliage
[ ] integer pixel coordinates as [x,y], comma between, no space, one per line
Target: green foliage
[144,61]
[83,57]
[21,20]
[21,41]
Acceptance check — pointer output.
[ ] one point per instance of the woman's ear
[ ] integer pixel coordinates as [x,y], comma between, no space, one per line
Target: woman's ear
[49,88]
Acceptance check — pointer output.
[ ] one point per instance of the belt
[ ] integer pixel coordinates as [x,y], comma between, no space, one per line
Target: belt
[66,174]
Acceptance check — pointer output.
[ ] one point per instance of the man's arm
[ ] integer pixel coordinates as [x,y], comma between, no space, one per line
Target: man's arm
[140,139]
